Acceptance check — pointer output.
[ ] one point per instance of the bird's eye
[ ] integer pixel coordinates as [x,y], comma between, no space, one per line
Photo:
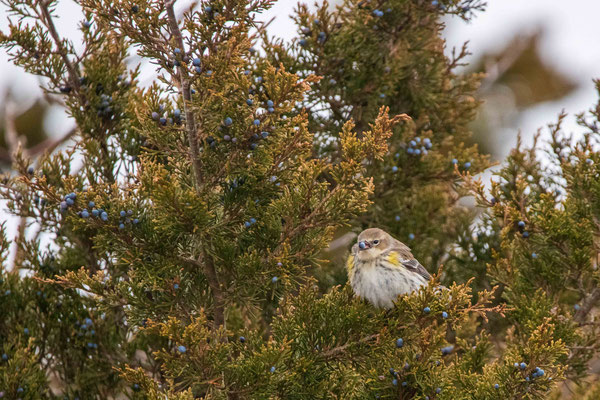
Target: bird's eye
[376,242]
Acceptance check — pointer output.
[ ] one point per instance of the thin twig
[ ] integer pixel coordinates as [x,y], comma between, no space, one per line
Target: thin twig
[47,146]
[73,79]
[210,273]
[340,349]
[14,142]
[73,76]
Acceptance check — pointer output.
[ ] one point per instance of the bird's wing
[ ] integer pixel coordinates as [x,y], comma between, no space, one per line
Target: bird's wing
[399,256]
[414,265]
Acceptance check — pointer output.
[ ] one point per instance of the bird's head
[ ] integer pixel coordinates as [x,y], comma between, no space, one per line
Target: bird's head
[371,243]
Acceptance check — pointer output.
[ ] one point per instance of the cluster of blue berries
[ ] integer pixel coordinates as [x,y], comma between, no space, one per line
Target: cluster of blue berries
[178,57]
[235,182]
[270,106]
[249,223]
[68,201]
[86,328]
[104,108]
[96,212]
[447,350]
[39,201]
[521,226]
[125,218]
[92,345]
[417,146]
[307,32]
[395,375]
[197,64]
[256,137]
[212,143]
[378,13]
[174,118]
[536,373]
[466,165]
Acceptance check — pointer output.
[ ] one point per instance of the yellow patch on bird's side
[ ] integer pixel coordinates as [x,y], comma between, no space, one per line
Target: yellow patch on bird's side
[350,263]
[393,259]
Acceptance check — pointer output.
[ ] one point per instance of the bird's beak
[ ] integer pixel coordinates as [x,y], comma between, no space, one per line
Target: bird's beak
[364,245]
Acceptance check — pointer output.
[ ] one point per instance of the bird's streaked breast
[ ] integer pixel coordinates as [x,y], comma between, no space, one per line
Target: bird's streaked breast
[382,280]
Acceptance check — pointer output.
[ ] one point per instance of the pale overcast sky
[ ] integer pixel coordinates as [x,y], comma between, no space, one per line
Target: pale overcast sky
[570,43]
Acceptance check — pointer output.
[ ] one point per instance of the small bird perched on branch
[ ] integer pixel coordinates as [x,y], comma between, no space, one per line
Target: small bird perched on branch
[381,268]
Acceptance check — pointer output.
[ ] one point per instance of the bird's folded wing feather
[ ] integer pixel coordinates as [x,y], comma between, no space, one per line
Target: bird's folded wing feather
[397,257]
[414,265]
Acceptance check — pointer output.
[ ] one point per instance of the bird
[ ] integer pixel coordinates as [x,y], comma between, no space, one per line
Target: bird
[380,268]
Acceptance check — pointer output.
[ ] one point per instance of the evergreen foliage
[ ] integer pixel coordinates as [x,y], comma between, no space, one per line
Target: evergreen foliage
[175,248]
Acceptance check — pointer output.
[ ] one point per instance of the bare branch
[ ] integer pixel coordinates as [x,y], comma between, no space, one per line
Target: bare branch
[208,269]
[587,304]
[341,349]
[185,90]
[73,76]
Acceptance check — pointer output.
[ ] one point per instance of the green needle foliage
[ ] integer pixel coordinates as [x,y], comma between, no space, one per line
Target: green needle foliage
[174,249]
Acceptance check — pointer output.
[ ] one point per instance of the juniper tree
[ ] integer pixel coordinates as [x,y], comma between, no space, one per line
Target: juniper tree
[176,244]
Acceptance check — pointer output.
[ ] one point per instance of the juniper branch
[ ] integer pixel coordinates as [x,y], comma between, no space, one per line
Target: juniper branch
[204,261]
[184,88]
